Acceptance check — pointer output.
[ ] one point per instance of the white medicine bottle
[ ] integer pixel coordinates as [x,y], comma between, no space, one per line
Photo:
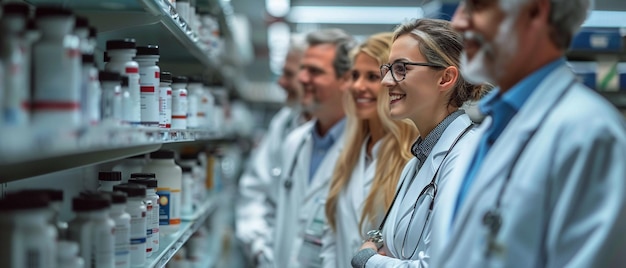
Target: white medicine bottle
[137,210]
[127,103]
[179,102]
[149,180]
[122,229]
[111,102]
[149,74]
[130,165]
[169,178]
[55,198]
[93,229]
[108,179]
[121,54]
[187,192]
[67,255]
[56,70]
[91,93]
[194,98]
[28,240]
[13,55]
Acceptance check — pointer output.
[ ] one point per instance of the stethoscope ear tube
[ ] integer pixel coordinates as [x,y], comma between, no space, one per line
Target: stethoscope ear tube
[289,182]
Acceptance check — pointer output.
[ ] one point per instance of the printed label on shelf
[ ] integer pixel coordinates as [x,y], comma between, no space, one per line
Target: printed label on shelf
[598,39]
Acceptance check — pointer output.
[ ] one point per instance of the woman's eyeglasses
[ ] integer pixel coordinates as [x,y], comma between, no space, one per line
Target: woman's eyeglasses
[398,69]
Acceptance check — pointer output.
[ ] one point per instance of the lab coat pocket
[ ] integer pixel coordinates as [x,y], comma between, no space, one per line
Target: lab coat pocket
[309,255]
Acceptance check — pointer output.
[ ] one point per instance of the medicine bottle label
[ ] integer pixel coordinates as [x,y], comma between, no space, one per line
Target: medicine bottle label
[164,206]
[175,199]
[149,106]
[149,80]
[138,237]
[122,245]
[103,247]
[149,227]
[134,90]
[165,107]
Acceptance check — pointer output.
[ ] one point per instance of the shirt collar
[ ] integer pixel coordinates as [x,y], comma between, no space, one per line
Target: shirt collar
[422,147]
[333,134]
[520,92]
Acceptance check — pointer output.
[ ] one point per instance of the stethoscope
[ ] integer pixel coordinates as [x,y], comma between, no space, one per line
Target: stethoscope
[492,219]
[429,190]
[289,182]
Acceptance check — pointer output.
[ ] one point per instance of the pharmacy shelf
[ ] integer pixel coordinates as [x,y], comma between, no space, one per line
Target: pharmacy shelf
[148,22]
[208,262]
[27,152]
[169,245]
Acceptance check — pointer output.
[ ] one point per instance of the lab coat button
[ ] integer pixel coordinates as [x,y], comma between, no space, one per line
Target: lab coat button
[276,172]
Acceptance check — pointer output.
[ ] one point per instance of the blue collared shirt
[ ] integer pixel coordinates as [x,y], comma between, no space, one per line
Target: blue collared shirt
[502,108]
[321,145]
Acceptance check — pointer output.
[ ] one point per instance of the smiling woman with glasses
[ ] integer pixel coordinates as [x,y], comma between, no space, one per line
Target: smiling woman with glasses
[425,86]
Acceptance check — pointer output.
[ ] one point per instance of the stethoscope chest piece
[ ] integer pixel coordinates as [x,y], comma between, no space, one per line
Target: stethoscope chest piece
[492,220]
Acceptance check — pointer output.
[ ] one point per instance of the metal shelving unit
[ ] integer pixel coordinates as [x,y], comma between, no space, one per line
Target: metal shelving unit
[190,224]
[82,147]
[148,22]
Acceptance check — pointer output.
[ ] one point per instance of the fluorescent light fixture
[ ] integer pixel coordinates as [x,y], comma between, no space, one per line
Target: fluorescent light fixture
[278,35]
[353,15]
[602,18]
[277,8]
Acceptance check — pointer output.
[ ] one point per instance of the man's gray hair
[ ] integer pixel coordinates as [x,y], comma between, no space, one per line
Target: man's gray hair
[343,42]
[566,17]
[297,44]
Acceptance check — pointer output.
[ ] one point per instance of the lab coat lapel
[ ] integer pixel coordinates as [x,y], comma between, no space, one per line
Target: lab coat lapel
[433,161]
[324,172]
[496,165]
[358,180]
[447,200]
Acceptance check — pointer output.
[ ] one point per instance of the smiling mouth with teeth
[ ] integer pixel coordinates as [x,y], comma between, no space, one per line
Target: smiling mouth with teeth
[395,97]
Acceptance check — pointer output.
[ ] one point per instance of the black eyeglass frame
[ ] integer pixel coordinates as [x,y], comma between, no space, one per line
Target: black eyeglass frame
[389,66]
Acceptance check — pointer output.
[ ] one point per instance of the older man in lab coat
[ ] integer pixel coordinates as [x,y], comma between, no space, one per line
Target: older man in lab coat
[312,149]
[545,183]
[257,198]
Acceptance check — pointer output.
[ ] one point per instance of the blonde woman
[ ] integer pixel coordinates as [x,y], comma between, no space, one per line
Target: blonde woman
[424,84]
[362,187]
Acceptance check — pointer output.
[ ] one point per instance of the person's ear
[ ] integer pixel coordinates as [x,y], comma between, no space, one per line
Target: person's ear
[539,12]
[448,78]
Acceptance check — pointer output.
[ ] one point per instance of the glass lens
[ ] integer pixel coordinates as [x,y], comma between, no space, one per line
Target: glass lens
[398,69]
[384,69]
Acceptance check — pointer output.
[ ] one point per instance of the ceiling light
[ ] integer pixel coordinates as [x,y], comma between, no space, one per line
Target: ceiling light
[353,15]
[277,8]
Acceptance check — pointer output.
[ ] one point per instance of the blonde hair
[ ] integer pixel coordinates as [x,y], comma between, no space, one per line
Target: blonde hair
[394,148]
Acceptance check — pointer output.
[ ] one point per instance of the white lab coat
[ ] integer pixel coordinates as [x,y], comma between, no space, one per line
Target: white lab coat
[338,247]
[299,204]
[257,199]
[565,205]
[402,206]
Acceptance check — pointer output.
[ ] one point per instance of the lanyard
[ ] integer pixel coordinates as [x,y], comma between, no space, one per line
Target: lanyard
[492,219]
